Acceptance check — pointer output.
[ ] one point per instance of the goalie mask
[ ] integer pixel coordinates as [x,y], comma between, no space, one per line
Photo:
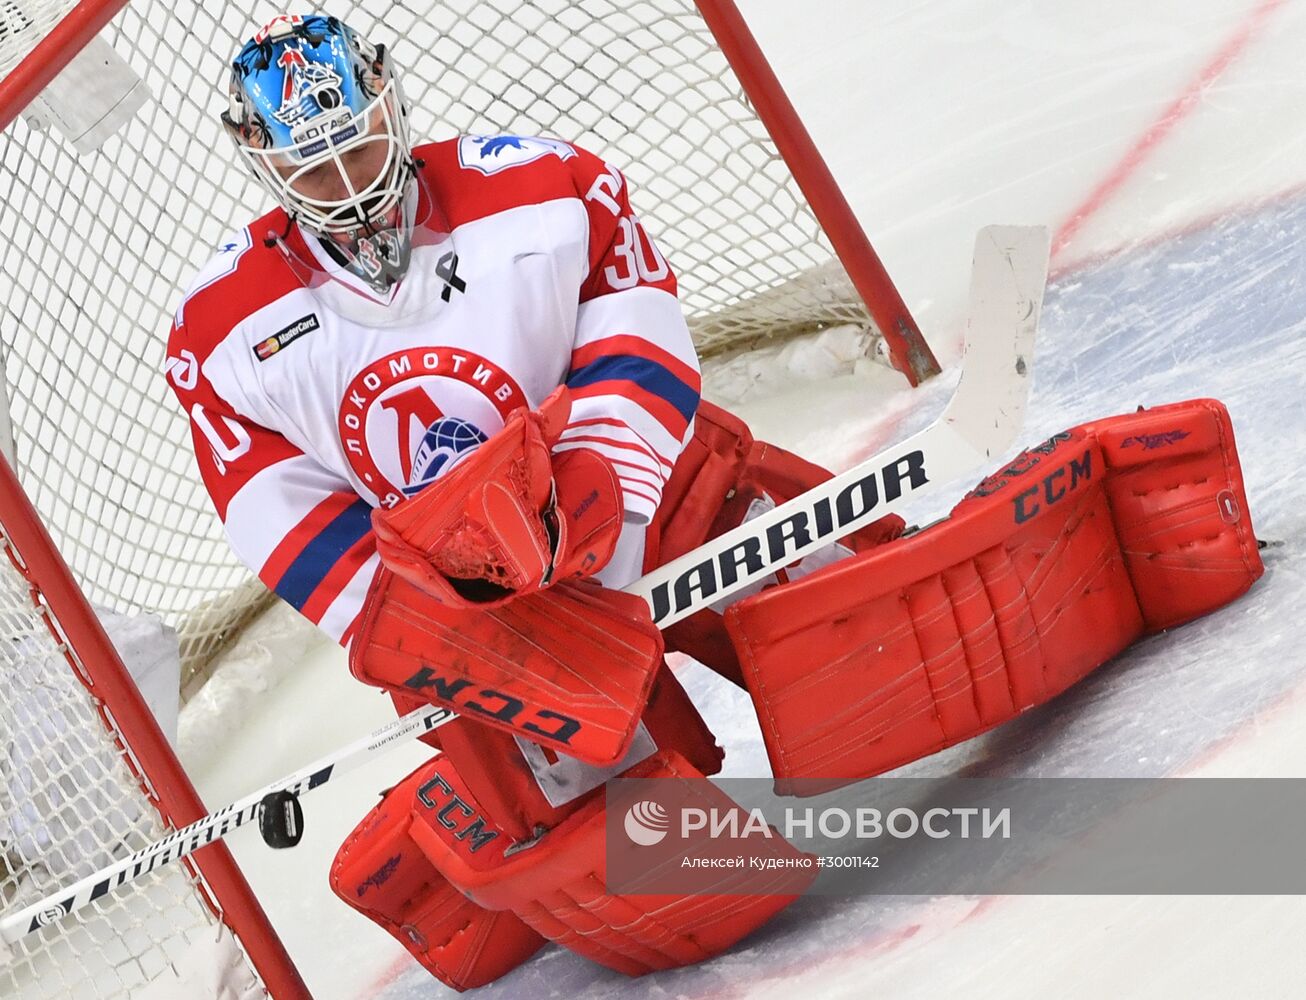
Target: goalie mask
[317,113]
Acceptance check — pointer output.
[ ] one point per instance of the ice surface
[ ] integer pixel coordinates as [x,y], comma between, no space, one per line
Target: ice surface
[1166,143]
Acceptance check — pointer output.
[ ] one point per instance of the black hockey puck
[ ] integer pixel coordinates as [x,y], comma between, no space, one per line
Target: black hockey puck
[281,819]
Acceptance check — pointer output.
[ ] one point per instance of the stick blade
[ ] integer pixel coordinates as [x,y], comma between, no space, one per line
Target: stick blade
[1006,300]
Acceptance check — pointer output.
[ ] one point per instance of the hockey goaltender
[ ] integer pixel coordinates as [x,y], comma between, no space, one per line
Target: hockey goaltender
[446,404]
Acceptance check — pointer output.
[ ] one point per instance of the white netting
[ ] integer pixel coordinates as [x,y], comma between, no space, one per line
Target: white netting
[68,805]
[96,248]
[23,23]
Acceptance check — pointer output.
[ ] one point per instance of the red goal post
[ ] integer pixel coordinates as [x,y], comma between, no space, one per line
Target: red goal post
[908,350]
[70,35]
[122,779]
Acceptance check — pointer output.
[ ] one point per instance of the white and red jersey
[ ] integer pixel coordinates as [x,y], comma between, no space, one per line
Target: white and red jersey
[306,416]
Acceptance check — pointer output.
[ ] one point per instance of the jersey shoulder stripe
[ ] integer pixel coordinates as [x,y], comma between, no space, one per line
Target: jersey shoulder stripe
[474,177]
[320,549]
[643,378]
[242,277]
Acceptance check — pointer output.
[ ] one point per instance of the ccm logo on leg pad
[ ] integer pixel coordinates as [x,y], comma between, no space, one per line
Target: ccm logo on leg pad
[542,722]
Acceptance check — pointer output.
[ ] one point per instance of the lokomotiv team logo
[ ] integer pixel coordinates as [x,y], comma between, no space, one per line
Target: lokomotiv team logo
[310,90]
[445,443]
[410,417]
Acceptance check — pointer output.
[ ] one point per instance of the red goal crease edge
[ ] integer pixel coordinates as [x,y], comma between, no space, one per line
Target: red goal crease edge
[908,349]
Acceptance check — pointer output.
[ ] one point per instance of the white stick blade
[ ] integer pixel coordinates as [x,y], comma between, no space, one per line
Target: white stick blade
[1006,298]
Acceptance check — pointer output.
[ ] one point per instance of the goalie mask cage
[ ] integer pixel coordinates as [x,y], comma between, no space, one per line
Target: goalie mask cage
[97,247]
[72,798]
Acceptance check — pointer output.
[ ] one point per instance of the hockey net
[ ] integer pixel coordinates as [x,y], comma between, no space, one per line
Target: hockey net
[73,798]
[98,246]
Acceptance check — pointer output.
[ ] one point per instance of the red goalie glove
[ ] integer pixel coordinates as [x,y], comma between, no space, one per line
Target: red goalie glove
[510,518]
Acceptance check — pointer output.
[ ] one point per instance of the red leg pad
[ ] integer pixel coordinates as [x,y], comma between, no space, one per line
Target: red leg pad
[380,871]
[556,884]
[1048,569]
[704,475]
[496,773]
[1186,554]
[570,667]
[763,471]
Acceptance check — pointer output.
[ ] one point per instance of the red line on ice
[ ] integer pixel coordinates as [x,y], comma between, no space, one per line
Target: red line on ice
[1241,209]
[1177,111]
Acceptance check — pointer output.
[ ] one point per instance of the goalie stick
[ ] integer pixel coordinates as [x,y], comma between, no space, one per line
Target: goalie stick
[979,422]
